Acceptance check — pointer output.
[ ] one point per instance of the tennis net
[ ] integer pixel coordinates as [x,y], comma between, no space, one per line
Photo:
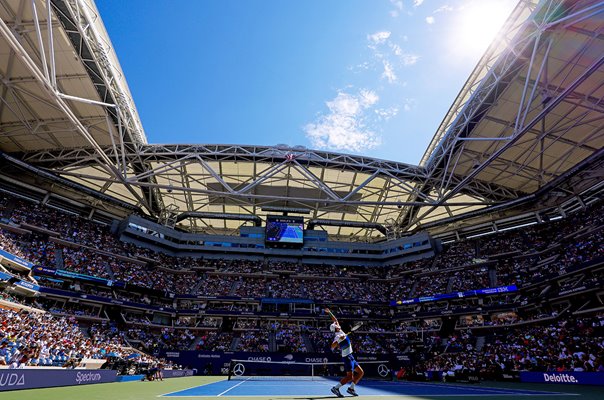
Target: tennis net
[289,370]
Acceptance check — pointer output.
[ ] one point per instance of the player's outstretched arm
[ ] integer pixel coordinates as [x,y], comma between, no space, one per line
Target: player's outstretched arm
[333,317]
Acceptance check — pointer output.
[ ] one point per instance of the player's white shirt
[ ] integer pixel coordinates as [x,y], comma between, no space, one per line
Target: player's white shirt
[344,343]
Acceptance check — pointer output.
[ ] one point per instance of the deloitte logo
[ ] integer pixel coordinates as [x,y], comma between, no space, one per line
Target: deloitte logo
[560,378]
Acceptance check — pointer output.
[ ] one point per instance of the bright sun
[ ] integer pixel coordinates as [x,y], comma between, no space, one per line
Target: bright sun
[478,23]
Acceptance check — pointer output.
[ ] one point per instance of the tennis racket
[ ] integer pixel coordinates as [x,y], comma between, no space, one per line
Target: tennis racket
[355,327]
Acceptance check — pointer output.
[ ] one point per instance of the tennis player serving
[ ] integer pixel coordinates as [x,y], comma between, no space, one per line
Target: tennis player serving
[354,372]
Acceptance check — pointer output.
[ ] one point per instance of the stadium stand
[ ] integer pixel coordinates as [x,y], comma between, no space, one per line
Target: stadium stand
[548,259]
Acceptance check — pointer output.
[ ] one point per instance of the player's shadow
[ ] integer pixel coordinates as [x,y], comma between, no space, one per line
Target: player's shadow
[321,397]
[308,398]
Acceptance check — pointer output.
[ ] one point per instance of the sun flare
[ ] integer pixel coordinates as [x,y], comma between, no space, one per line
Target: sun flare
[478,25]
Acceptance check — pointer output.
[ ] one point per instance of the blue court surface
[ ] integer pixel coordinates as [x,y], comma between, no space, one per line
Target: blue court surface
[321,387]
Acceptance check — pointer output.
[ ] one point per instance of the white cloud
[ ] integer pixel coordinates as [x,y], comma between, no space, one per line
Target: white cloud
[378,37]
[406,59]
[362,66]
[368,98]
[388,57]
[409,59]
[409,104]
[344,127]
[445,8]
[430,20]
[384,114]
[398,7]
[396,49]
[389,73]
[417,3]
[398,4]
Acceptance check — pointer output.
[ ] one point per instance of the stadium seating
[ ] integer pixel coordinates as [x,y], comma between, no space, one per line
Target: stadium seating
[213,304]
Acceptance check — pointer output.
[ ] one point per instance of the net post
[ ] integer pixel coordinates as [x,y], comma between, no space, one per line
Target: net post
[312,372]
[231,364]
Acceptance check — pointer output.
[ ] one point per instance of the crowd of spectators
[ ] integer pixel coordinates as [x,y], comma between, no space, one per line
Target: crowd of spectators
[85,261]
[30,338]
[289,338]
[253,341]
[245,324]
[513,317]
[33,249]
[215,341]
[94,236]
[78,310]
[210,322]
[247,278]
[570,344]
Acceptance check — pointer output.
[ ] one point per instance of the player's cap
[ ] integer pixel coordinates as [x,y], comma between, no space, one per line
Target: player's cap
[332,327]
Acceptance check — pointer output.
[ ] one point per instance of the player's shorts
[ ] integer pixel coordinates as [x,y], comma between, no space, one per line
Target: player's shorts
[349,363]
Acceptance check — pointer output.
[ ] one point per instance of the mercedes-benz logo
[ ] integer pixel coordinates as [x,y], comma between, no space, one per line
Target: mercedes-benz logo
[383,370]
[238,369]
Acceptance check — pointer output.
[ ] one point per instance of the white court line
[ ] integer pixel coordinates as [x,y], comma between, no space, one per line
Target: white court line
[399,396]
[233,387]
[485,388]
[192,387]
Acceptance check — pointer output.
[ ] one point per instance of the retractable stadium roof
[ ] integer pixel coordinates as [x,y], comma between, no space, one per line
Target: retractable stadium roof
[529,119]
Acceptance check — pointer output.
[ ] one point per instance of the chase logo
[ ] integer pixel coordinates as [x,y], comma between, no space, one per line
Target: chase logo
[316,360]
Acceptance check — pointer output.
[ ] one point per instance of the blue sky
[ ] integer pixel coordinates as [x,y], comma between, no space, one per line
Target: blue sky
[371,77]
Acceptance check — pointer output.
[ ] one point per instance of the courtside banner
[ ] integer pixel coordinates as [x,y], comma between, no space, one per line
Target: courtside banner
[5,277]
[28,285]
[565,378]
[456,295]
[176,373]
[15,379]
[16,260]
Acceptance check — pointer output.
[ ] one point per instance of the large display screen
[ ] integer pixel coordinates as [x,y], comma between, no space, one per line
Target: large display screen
[284,229]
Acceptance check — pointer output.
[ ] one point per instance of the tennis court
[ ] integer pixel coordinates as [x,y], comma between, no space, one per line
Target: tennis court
[211,387]
[320,388]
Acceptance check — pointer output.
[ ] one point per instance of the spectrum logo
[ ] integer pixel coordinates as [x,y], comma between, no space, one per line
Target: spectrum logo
[560,378]
[83,377]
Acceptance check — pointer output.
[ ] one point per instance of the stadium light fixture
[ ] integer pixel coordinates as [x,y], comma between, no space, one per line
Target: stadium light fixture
[287,209]
[518,226]
[480,234]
